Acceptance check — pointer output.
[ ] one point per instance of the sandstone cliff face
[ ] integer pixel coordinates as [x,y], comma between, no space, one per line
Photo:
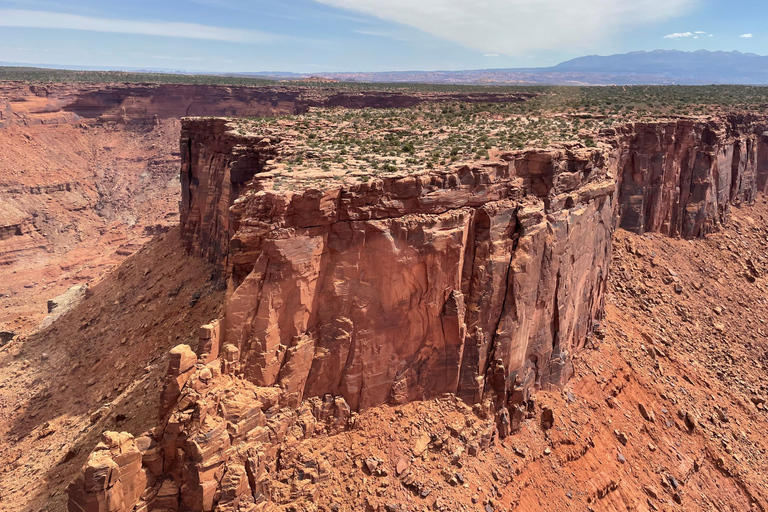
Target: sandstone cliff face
[467,281]
[480,280]
[214,166]
[90,170]
[680,177]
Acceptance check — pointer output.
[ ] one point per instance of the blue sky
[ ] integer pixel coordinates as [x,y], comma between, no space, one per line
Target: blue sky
[365,35]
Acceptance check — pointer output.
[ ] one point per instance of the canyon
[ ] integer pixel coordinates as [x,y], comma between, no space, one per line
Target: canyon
[492,333]
[482,281]
[90,171]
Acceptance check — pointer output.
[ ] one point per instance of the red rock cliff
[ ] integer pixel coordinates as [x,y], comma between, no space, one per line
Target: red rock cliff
[473,280]
[478,279]
[680,177]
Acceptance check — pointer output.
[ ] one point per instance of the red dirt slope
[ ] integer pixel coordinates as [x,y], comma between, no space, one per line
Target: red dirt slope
[98,368]
[75,200]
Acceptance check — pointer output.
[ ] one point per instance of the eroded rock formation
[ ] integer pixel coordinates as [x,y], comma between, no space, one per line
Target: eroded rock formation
[681,177]
[480,280]
[91,169]
[56,103]
[408,286]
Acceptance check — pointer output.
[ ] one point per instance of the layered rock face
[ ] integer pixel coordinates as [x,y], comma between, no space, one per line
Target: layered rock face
[480,280]
[215,164]
[377,294]
[680,177]
[55,103]
[91,169]
[405,287]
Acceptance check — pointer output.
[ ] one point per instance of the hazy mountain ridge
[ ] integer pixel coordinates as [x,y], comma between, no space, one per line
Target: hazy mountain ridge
[659,67]
[689,67]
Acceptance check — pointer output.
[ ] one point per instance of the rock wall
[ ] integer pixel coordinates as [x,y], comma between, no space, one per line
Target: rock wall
[406,287]
[465,280]
[379,303]
[480,280]
[681,177]
[214,166]
[89,170]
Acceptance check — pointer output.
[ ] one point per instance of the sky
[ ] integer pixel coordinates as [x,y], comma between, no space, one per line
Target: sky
[307,36]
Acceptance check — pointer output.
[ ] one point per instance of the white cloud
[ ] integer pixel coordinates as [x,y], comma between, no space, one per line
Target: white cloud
[55,20]
[491,55]
[746,36]
[684,35]
[514,27]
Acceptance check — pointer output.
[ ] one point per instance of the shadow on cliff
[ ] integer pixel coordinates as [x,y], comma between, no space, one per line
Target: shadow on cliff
[99,367]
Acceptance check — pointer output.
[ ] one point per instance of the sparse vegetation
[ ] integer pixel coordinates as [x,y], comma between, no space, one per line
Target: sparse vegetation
[330,144]
[624,101]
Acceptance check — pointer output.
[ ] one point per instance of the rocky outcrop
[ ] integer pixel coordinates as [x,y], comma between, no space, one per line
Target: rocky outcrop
[466,280]
[114,478]
[681,177]
[64,303]
[18,236]
[405,287]
[480,280]
[216,447]
[89,171]
[215,164]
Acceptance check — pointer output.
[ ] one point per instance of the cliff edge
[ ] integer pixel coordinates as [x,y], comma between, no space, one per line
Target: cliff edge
[480,279]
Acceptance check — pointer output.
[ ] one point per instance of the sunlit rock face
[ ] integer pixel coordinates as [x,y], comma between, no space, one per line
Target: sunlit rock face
[470,280]
[480,280]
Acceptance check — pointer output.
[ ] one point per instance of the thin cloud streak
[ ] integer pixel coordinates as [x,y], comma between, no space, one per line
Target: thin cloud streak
[684,35]
[54,20]
[517,27]
[380,33]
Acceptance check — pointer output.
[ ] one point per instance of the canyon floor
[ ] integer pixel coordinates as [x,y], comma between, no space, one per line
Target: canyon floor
[78,198]
[666,411]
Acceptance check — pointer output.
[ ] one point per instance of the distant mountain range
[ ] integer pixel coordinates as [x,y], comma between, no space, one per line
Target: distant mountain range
[660,67]
[681,67]
[657,67]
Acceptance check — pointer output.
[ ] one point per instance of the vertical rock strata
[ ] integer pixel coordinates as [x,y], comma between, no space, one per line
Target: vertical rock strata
[214,167]
[681,177]
[480,280]
[409,286]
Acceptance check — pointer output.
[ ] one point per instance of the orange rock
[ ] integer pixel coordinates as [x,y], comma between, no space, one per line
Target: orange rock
[112,479]
[480,280]
[210,342]
[180,367]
